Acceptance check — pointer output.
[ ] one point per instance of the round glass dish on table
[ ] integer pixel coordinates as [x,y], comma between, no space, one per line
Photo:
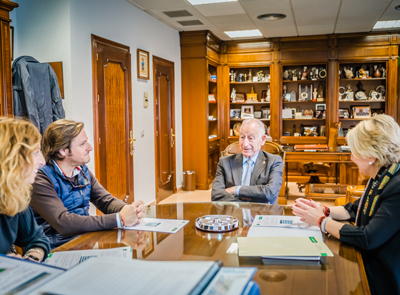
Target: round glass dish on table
[342,274]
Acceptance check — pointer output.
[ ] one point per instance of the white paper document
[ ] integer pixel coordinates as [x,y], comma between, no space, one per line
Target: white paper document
[170,226]
[272,231]
[282,221]
[68,259]
[230,281]
[19,276]
[116,276]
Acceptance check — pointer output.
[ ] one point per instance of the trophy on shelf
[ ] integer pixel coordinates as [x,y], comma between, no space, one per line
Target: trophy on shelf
[349,93]
[268,98]
[294,73]
[320,92]
[233,76]
[304,74]
[252,96]
[249,77]
[315,94]
[260,76]
[314,73]
[342,93]
[360,94]
[285,75]
[233,95]
[293,96]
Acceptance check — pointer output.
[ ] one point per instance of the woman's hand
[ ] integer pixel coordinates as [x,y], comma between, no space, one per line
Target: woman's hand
[308,211]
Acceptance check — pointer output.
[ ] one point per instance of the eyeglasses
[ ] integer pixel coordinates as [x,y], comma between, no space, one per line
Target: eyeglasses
[80,186]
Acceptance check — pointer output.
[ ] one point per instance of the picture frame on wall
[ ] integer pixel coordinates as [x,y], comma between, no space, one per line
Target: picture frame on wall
[344,113]
[309,130]
[143,64]
[305,92]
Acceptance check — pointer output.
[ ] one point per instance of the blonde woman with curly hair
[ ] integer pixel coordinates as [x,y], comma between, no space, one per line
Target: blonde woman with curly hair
[375,148]
[20,159]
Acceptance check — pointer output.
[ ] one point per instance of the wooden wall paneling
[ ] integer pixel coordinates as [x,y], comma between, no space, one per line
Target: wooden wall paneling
[320,55]
[223,103]
[391,86]
[332,93]
[194,119]
[244,59]
[6,101]
[276,101]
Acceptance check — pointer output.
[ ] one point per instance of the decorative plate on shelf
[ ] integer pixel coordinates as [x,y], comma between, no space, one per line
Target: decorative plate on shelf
[236,129]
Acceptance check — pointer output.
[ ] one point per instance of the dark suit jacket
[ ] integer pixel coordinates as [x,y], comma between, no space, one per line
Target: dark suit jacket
[378,239]
[265,182]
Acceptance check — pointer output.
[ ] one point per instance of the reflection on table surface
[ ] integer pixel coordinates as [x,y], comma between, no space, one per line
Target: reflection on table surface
[341,274]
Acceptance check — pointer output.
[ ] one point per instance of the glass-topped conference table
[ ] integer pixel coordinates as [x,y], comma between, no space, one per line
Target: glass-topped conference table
[342,274]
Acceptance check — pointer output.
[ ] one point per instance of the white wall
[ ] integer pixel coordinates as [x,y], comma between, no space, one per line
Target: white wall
[61,31]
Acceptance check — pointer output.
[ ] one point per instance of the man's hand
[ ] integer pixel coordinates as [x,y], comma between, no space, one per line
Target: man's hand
[131,214]
[231,190]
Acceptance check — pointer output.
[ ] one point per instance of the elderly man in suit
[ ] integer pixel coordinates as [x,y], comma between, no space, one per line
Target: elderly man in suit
[252,175]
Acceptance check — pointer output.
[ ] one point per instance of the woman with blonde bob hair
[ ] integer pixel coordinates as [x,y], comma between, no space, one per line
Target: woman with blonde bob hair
[20,159]
[375,148]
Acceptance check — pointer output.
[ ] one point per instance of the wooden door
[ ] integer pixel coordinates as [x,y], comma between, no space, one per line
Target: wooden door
[164,117]
[112,104]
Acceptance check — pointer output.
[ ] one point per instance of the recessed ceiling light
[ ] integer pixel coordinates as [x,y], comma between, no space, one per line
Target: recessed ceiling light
[200,2]
[397,7]
[271,16]
[387,24]
[244,33]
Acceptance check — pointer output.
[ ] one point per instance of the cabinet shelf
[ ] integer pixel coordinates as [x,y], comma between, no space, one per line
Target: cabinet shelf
[303,119]
[309,101]
[258,82]
[304,81]
[352,119]
[238,120]
[366,79]
[251,103]
[361,101]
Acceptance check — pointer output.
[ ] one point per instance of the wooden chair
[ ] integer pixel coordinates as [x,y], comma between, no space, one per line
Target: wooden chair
[311,167]
[353,193]
[269,147]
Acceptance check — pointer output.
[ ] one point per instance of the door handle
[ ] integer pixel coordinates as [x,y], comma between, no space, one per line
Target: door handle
[172,138]
[131,141]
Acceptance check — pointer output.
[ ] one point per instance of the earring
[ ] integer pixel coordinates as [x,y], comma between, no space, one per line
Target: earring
[370,163]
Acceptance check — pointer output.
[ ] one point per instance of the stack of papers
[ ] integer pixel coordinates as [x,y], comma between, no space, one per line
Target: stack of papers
[298,248]
[170,226]
[283,237]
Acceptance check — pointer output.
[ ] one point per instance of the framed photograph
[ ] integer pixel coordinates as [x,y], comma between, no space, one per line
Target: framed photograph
[266,113]
[247,112]
[143,64]
[320,106]
[320,114]
[305,92]
[257,114]
[309,130]
[344,113]
[286,97]
[235,113]
[361,111]
[375,112]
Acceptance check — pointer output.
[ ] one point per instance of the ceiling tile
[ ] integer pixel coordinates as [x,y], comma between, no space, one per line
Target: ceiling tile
[315,17]
[391,13]
[360,15]
[160,4]
[233,22]
[220,9]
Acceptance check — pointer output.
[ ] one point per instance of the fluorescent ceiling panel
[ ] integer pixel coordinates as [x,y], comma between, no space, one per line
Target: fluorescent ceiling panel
[220,9]
[244,33]
[201,2]
[387,24]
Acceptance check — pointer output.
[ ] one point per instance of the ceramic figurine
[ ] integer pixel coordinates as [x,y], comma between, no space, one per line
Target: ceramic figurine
[348,73]
[286,75]
[260,76]
[268,94]
[349,93]
[360,94]
[383,70]
[233,95]
[377,73]
[363,73]
[320,91]
[315,94]
[250,77]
